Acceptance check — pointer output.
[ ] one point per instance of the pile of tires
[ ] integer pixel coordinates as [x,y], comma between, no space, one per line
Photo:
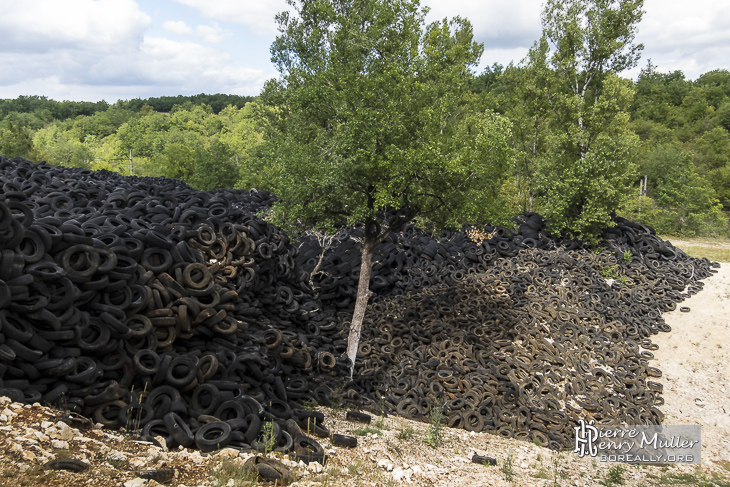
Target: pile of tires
[142,303]
[517,343]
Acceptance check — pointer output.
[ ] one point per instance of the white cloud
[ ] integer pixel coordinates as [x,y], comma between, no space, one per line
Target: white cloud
[257,16]
[177,27]
[210,33]
[694,41]
[50,25]
[500,25]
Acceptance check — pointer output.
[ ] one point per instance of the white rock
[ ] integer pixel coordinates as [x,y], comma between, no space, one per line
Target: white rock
[398,474]
[65,432]
[60,444]
[28,456]
[315,467]
[45,425]
[227,454]
[417,470]
[41,436]
[3,418]
[138,482]
[116,456]
[386,465]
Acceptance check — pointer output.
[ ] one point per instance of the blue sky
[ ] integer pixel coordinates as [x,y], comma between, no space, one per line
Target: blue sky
[122,49]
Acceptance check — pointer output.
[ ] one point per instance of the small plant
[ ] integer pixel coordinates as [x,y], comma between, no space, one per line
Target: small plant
[507,467]
[230,473]
[557,473]
[615,476]
[268,439]
[355,468]
[367,430]
[406,433]
[380,424]
[609,272]
[628,255]
[435,434]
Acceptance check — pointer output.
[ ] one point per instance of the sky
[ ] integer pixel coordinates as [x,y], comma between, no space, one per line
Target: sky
[91,50]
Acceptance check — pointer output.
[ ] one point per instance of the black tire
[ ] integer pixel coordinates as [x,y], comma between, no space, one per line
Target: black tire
[213,436]
[344,440]
[358,417]
[481,460]
[178,429]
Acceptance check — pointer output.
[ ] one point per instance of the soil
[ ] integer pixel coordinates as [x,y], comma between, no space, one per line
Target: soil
[694,358]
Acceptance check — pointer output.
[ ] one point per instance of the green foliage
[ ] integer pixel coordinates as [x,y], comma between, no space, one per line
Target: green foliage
[435,434]
[16,141]
[609,273]
[374,111]
[268,438]
[592,151]
[615,476]
[406,433]
[367,431]
[507,467]
[231,473]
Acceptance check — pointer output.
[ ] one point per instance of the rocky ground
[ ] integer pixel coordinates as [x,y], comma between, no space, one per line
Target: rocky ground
[694,358]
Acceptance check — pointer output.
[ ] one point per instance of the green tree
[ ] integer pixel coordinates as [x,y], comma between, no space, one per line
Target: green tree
[525,101]
[678,200]
[590,168]
[16,141]
[374,112]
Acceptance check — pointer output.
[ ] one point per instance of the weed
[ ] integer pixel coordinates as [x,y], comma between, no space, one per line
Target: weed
[367,430]
[134,414]
[609,272]
[698,478]
[628,255]
[435,434]
[406,433]
[355,468]
[507,467]
[380,424]
[268,438]
[541,474]
[557,473]
[615,476]
[222,474]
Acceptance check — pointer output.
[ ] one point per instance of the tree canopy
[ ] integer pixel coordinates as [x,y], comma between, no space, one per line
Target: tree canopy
[374,112]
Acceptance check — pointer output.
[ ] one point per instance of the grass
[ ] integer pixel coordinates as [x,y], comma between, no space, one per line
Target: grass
[435,434]
[367,430]
[406,433]
[222,474]
[715,249]
[615,476]
[698,478]
[355,468]
[32,477]
[507,467]
[380,424]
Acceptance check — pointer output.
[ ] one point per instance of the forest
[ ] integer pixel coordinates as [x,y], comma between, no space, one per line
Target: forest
[678,182]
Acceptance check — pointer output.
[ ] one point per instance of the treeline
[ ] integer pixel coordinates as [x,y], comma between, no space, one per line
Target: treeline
[680,176]
[676,131]
[203,140]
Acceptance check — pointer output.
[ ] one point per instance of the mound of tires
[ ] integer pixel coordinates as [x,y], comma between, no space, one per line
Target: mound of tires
[145,304]
[516,333]
[140,302]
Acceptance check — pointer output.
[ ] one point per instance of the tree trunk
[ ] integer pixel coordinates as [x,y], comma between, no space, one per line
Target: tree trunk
[363,295]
